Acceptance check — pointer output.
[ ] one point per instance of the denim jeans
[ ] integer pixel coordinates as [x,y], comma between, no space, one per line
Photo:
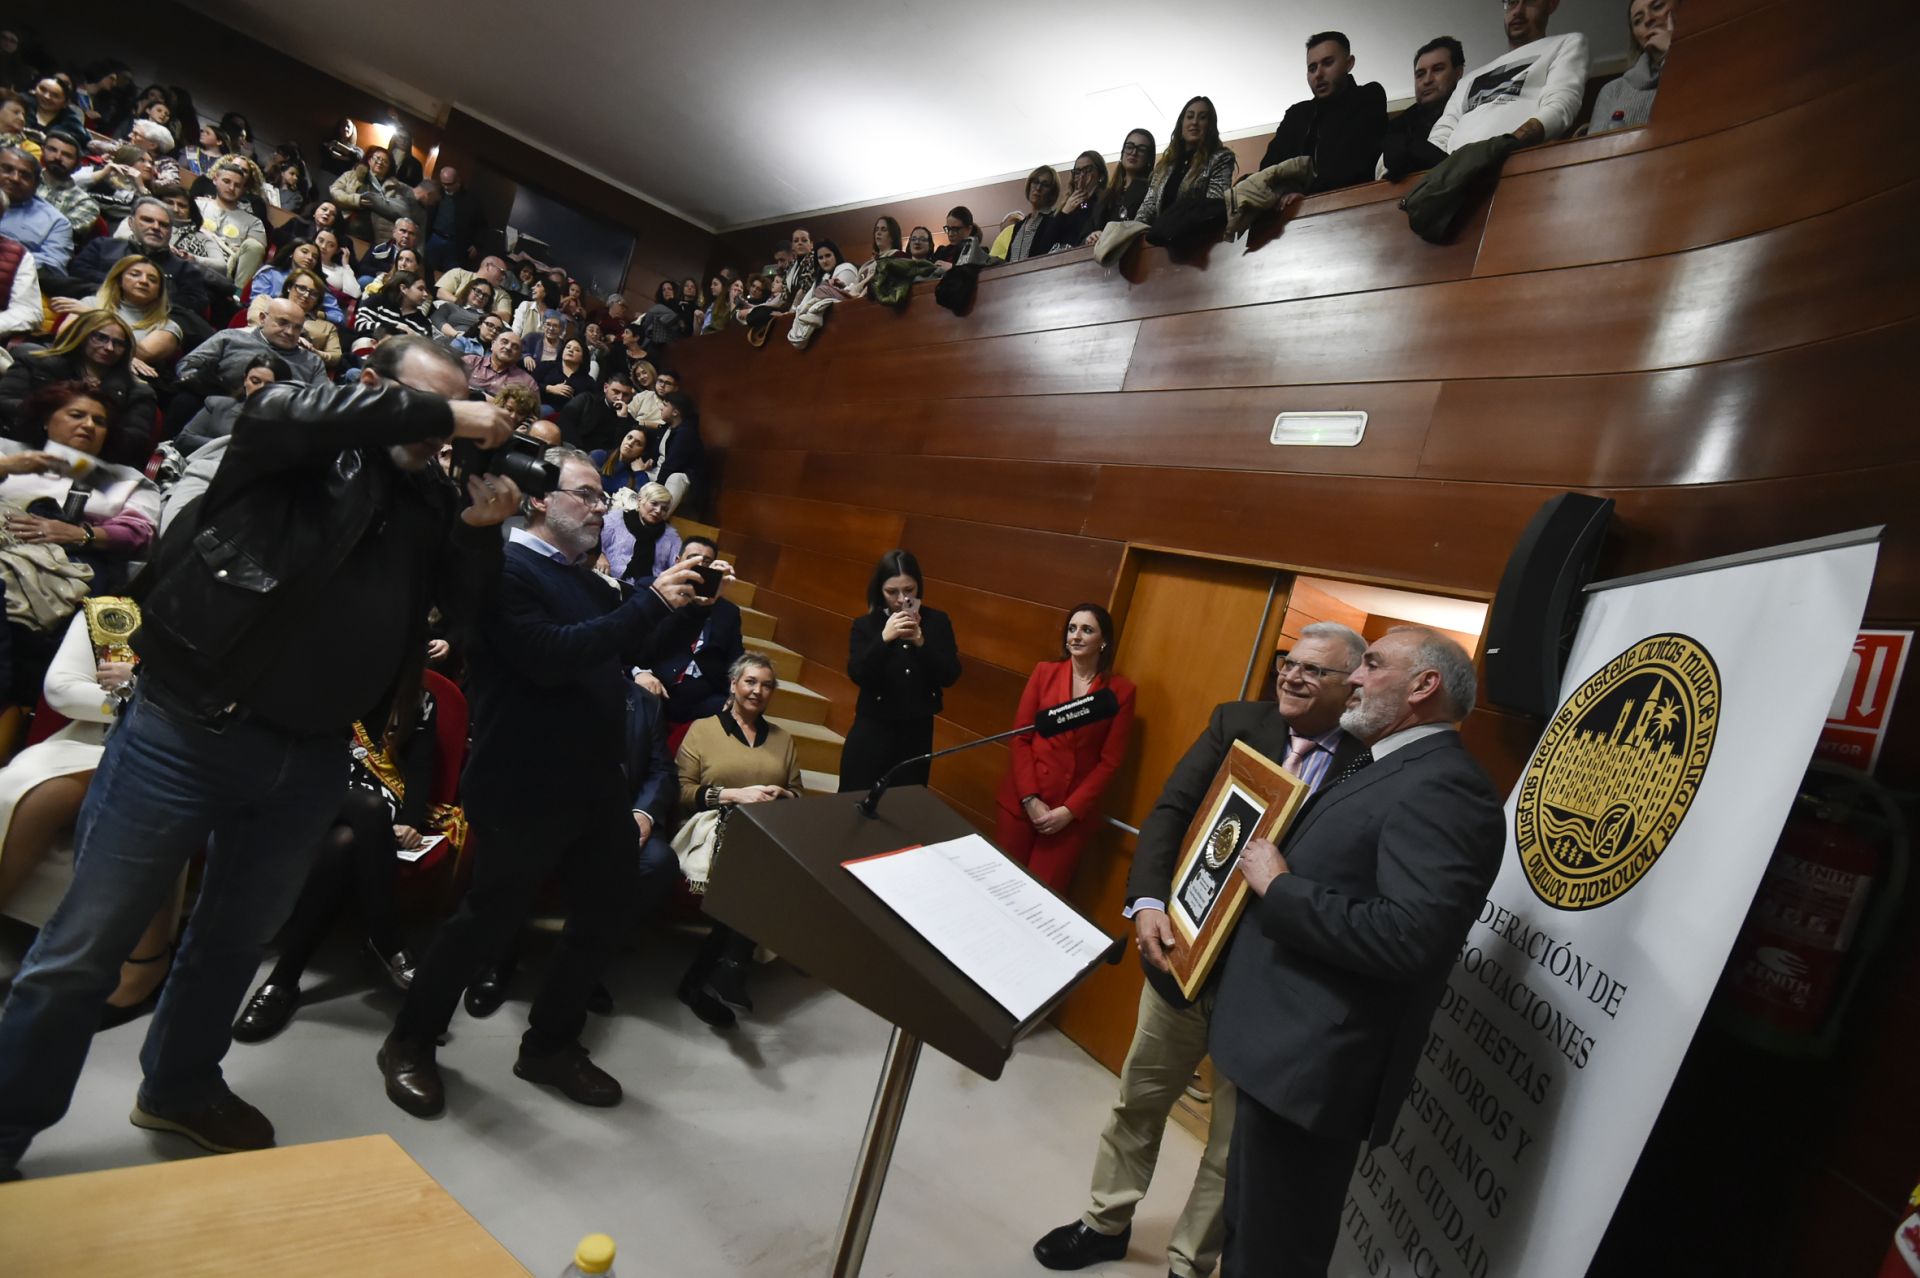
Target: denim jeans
[165,785]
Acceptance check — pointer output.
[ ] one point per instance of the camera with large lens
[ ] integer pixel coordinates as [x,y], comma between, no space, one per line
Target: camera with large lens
[521,459]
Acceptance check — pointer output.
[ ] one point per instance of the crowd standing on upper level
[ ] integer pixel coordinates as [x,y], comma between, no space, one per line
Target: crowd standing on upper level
[191,321]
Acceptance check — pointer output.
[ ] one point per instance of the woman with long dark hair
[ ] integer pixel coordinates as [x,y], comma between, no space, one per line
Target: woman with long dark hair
[903,656]
[1052,791]
[1196,167]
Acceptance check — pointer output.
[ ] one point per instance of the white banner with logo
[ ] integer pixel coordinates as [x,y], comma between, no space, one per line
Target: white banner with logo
[1635,840]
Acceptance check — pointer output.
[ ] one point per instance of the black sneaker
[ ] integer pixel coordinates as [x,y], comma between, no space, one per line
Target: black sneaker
[226,1126]
[728,982]
[704,1005]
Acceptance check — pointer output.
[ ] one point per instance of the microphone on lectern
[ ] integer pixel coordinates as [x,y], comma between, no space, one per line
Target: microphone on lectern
[1095,707]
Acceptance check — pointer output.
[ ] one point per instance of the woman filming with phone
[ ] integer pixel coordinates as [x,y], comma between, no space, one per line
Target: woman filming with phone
[902,654]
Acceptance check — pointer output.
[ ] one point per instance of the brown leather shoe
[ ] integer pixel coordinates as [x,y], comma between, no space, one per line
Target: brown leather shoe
[226,1126]
[578,1078]
[413,1076]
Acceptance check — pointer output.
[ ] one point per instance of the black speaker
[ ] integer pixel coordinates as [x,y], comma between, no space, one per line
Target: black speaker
[1530,628]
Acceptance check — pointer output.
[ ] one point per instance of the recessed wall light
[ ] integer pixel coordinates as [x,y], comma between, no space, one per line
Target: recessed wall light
[1320,430]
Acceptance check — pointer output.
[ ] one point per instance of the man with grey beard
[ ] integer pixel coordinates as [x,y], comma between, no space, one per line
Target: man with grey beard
[545,789]
[1337,968]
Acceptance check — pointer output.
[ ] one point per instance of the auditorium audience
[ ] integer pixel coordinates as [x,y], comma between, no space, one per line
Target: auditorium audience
[733,757]
[149,235]
[491,270]
[385,255]
[965,244]
[218,415]
[119,181]
[1436,70]
[271,280]
[451,319]
[903,657]
[36,224]
[1050,799]
[1017,242]
[334,264]
[60,154]
[500,366]
[1532,92]
[1340,127]
[637,542]
[407,260]
[542,346]
[1627,101]
[240,237]
[400,307]
[561,379]
[677,458]
[96,350]
[13,124]
[135,291]
[1191,178]
[351,190]
[53,109]
[308,290]
[663,323]
[596,423]
[24,307]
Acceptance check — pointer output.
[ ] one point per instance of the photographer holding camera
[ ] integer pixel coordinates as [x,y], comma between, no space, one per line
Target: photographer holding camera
[289,601]
[546,789]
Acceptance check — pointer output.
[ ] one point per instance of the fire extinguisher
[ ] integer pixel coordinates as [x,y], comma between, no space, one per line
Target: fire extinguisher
[1824,906]
[1903,1257]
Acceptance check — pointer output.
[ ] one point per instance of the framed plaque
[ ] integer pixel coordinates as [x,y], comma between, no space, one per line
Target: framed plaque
[1252,797]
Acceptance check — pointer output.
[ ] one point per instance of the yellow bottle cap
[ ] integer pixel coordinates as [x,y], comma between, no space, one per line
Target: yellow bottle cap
[594,1255]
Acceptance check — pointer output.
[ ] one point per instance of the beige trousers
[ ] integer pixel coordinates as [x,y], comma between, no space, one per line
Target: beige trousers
[1168,1045]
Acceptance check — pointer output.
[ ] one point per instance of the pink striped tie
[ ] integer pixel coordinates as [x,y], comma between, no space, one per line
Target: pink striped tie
[1303,748]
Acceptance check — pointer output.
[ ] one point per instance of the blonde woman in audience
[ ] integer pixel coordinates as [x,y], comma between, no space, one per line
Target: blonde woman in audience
[1019,241]
[135,291]
[644,405]
[307,290]
[736,757]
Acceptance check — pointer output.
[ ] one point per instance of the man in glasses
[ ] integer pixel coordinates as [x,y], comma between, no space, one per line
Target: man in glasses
[221,361]
[545,789]
[1301,729]
[1339,126]
[1532,92]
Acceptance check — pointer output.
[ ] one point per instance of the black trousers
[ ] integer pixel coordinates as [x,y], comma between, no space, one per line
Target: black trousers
[874,745]
[357,861]
[1285,1188]
[595,856]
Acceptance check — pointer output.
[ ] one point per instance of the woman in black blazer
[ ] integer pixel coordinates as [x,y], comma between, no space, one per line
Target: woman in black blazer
[902,655]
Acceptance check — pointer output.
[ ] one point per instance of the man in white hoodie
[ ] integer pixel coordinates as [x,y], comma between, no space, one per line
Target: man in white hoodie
[1532,91]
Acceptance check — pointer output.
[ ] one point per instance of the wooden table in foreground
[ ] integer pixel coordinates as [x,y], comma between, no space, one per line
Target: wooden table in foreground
[359,1207]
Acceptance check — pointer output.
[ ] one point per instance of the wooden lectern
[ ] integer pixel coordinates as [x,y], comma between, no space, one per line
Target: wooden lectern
[779,878]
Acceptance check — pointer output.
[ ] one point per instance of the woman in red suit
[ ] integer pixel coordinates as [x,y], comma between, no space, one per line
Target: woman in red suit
[1050,801]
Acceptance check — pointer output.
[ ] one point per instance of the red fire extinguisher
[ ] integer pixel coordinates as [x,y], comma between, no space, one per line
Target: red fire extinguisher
[1826,902]
[1903,1257]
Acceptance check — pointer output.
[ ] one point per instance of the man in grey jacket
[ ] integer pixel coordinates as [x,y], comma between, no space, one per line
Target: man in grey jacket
[221,360]
[1335,971]
[1302,728]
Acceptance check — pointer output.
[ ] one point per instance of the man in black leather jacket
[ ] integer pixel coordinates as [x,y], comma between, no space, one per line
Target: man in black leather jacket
[288,602]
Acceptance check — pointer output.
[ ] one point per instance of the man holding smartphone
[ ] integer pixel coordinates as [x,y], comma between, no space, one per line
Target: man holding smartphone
[687,659]
[545,789]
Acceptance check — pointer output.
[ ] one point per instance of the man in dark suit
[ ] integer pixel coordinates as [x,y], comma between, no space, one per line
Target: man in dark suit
[1340,126]
[1300,728]
[687,659]
[545,788]
[1334,972]
[1437,68]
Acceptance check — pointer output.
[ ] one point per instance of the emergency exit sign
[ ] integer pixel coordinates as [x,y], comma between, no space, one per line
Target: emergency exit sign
[1863,703]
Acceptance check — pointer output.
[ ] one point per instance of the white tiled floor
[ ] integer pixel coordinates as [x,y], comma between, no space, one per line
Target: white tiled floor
[730,1154]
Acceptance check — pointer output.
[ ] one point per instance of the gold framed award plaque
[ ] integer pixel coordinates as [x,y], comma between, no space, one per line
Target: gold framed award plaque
[1251,797]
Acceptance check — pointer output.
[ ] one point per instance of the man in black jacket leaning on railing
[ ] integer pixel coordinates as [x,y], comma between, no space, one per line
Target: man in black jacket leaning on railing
[290,601]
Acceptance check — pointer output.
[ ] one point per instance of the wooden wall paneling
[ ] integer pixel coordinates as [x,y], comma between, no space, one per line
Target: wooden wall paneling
[832,582]
[755,559]
[1055,569]
[1226,429]
[1704,14]
[763,470]
[1308,603]
[1011,633]
[971,779]
[1502,742]
[1031,494]
[815,632]
[1771,58]
[987,696]
[1709,423]
[1578,214]
[1840,272]
[1099,1015]
[831,682]
[1071,361]
[1447,535]
[828,528]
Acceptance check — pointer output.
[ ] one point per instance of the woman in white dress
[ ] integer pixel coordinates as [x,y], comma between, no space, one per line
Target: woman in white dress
[42,788]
